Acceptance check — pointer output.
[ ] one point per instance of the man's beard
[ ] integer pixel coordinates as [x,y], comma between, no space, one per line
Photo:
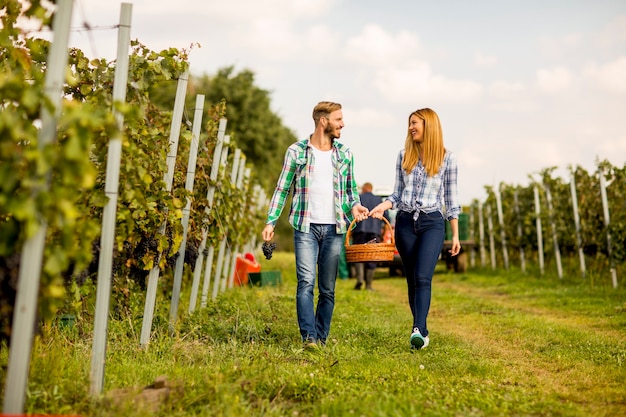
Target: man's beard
[329,131]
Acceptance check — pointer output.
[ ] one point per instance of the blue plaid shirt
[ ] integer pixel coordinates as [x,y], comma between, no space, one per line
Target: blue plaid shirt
[417,191]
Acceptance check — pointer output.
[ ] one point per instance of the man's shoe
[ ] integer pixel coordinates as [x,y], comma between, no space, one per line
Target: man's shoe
[417,340]
[358,286]
[310,344]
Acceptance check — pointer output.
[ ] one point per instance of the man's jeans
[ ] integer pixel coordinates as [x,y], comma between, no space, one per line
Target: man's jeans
[319,250]
[419,243]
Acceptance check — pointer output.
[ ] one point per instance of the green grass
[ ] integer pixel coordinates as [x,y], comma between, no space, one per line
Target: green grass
[501,345]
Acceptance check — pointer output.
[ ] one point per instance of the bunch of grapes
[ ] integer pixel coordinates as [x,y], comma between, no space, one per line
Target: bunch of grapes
[268,248]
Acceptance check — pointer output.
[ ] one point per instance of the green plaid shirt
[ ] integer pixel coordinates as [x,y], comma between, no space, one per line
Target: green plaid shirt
[295,176]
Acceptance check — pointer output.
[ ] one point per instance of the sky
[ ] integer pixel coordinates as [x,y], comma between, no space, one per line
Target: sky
[519,86]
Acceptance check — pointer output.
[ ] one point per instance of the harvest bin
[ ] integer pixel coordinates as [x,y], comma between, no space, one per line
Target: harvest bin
[243,267]
[264,278]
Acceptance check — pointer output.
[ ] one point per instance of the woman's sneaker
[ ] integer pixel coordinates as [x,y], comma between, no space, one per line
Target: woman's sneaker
[417,340]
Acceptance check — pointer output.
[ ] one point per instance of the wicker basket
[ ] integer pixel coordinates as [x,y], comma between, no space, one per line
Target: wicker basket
[369,252]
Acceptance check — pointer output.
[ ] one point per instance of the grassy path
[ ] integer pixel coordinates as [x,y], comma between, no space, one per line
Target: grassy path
[543,341]
[500,346]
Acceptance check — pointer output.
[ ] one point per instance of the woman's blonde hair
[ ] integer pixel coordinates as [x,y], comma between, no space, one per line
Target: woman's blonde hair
[431,151]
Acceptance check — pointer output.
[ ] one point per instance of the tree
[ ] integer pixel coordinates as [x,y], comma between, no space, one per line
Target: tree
[252,125]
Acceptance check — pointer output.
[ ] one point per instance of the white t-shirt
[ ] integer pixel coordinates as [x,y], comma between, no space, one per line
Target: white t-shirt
[321,189]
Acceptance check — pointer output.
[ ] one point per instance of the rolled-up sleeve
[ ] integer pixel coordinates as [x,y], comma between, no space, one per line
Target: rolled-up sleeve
[451,193]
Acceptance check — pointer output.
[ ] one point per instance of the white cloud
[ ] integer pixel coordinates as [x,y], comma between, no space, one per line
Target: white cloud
[320,41]
[376,47]
[611,76]
[368,117]
[561,46]
[614,150]
[270,37]
[484,61]
[243,10]
[555,80]
[613,36]
[506,89]
[311,8]
[415,83]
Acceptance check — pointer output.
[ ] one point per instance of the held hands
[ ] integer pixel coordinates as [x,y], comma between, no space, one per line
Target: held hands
[378,211]
[359,212]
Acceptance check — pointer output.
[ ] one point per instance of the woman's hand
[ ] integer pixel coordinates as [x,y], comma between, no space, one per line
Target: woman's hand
[378,211]
[456,246]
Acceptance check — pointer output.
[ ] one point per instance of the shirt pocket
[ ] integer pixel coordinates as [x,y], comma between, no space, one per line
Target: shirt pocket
[343,168]
[301,163]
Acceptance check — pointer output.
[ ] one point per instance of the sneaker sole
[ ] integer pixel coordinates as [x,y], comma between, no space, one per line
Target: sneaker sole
[417,341]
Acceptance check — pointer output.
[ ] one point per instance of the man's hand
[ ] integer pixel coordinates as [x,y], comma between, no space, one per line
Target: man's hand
[359,212]
[268,233]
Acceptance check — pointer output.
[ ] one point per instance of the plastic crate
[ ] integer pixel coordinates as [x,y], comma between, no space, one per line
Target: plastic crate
[264,278]
[243,267]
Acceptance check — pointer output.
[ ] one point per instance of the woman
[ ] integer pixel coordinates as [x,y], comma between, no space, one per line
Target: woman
[426,182]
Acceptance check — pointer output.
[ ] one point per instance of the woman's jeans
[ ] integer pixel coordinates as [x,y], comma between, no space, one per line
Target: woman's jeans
[419,243]
[316,251]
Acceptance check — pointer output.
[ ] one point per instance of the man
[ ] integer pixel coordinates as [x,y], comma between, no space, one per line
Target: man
[325,199]
[369,230]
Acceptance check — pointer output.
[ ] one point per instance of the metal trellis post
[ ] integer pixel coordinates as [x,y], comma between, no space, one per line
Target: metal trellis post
[191,174]
[32,251]
[107,237]
[153,276]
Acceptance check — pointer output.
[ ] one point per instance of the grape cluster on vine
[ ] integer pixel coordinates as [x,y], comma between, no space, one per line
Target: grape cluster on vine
[268,248]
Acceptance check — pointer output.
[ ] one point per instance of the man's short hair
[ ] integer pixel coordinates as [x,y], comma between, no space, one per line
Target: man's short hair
[323,109]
